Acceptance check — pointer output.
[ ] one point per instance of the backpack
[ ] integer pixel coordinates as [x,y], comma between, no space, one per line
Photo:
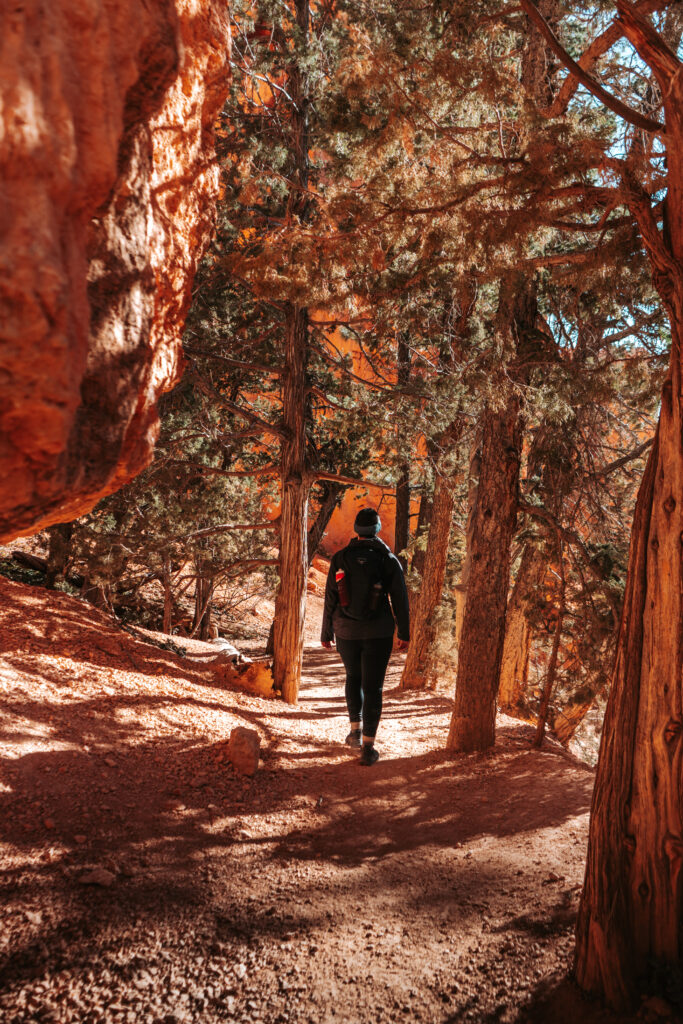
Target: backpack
[366,569]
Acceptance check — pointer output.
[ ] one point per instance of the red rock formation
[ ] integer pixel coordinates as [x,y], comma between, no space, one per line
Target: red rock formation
[108,183]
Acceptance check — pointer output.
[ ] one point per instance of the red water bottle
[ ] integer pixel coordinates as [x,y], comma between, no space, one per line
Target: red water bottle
[340,577]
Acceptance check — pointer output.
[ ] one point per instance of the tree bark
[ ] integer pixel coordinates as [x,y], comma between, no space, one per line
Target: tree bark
[331,494]
[472,492]
[483,631]
[58,552]
[402,521]
[568,720]
[416,672]
[295,482]
[290,602]
[632,903]
[203,599]
[168,597]
[423,518]
[549,684]
[330,499]
[514,669]
[492,529]
[418,669]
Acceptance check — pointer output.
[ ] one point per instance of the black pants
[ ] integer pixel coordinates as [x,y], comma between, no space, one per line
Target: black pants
[366,663]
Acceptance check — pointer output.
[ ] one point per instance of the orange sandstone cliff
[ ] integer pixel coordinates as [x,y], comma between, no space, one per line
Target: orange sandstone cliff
[107,189]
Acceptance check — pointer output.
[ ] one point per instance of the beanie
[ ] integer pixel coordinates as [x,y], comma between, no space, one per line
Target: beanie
[368,523]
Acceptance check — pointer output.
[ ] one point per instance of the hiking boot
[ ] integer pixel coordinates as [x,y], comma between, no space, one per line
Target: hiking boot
[353,739]
[368,755]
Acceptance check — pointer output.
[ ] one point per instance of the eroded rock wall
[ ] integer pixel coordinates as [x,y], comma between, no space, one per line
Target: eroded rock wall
[107,189]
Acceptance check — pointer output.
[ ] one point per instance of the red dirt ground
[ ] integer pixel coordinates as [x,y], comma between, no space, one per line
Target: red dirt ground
[424,889]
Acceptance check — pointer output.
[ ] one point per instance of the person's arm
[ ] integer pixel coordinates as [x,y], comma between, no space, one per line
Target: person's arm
[398,592]
[331,602]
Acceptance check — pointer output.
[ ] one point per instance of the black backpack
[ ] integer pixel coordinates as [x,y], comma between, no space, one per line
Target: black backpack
[366,570]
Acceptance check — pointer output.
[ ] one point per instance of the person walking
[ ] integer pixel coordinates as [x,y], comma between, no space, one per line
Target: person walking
[364,578]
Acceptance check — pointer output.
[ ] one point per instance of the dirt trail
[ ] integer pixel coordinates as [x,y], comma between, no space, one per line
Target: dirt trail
[424,889]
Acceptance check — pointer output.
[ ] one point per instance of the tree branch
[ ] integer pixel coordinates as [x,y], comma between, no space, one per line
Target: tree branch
[649,45]
[238,363]
[611,102]
[229,527]
[268,428]
[611,467]
[573,539]
[355,481]
[595,51]
[269,470]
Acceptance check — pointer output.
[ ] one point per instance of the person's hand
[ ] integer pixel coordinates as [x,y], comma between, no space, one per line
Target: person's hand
[327,644]
[402,645]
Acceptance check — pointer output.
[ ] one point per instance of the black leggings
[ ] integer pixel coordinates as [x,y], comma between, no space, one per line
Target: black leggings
[366,663]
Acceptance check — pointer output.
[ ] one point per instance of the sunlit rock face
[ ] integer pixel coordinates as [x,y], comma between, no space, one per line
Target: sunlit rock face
[107,189]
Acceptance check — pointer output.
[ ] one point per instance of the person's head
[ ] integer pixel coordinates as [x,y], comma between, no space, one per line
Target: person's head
[368,523]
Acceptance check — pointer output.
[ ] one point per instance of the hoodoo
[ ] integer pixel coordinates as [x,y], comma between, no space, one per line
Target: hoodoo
[109,181]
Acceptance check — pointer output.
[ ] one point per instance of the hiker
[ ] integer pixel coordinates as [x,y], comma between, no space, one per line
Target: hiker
[363,577]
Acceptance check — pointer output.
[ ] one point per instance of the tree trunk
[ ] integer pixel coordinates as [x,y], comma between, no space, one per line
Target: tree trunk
[423,518]
[514,669]
[290,602]
[416,670]
[493,527]
[568,720]
[168,597]
[331,494]
[330,499]
[549,684]
[58,552]
[483,631]
[203,599]
[402,521]
[402,524]
[472,491]
[480,648]
[632,903]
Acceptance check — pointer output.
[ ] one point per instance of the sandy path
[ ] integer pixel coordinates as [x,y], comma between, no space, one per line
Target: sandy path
[424,889]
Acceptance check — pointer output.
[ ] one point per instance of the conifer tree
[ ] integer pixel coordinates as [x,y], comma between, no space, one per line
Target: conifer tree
[631,904]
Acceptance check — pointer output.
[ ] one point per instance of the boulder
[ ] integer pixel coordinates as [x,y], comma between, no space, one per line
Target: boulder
[109,181]
[98,876]
[244,749]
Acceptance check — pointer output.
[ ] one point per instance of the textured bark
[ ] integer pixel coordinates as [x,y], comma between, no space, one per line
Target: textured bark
[168,597]
[290,602]
[295,482]
[514,669]
[416,670]
[331,496]
[481,647]
[402,520]
[423,517]
[632,904]
[203,600]
[568,720]
[492,527]
[108,187]
[58,552]
[549,684]
[402,523]
[472,492]
[332,493]
[631,907]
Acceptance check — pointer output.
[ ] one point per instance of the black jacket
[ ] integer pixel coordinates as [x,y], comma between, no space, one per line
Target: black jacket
[336,623]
